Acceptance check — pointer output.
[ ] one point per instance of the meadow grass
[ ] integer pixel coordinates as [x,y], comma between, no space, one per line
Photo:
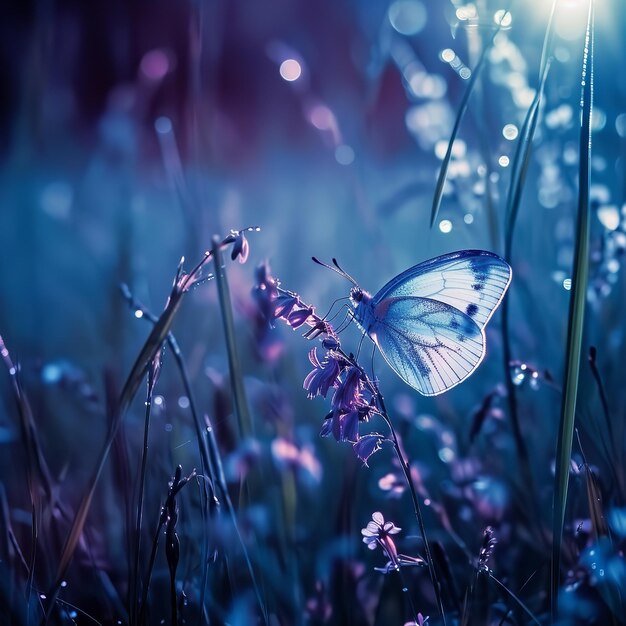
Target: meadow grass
[216,501]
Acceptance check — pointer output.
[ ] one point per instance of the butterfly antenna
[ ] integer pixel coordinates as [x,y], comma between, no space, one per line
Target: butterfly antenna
[337,269]
[344,273]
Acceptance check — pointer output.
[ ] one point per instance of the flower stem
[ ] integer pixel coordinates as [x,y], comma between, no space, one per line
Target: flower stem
[406,469]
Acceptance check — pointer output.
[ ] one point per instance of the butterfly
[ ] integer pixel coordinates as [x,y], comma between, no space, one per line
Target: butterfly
[429,321]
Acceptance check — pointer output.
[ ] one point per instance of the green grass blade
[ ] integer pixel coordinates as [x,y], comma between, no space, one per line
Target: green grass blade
[445,164]
[234,365]
[152,345]
[523,150]
[576,317]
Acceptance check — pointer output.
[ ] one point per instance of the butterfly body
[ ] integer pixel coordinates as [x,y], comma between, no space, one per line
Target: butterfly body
[428,322]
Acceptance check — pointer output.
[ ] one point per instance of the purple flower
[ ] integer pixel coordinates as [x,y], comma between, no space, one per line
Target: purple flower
[324,376]
[265,292]
[486,549]
[367,445]
[284,305]
[344,426]
[378,533]
[331,343]
[349,391]
[241,249]
[298,317]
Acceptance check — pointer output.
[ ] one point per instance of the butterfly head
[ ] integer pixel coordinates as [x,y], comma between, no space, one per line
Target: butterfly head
[359,296]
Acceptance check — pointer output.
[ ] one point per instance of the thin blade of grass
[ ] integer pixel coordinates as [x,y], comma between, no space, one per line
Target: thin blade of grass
[159,333]
[594,497]
[244,420]
[153,373]
[608,441]
[210,503]
[517,600]
[209,451]
[445,164]
[576,317]
[151,346]
[220,477]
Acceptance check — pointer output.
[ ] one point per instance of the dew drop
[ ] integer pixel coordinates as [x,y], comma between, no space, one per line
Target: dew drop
[445,226]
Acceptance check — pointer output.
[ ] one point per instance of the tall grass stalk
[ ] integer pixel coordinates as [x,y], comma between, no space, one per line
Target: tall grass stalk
[221,480]
[240,400]
[182,283]
[36,476]
[445,164]
[208,499]
[515,598]
[209,451]
[576,317]
[152,376]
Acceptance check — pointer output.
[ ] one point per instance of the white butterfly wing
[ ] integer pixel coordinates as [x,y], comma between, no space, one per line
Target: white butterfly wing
[472,281]
[431,345]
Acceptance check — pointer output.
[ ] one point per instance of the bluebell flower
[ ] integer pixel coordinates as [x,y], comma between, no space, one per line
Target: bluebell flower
[349,391]
[367,445]
[241,248]
[265,292]
[343,425]
[299,317]
[354,398]
[284,304]
[324,376]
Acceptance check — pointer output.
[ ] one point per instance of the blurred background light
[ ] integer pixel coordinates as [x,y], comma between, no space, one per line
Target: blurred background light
[408,17]
[290,70]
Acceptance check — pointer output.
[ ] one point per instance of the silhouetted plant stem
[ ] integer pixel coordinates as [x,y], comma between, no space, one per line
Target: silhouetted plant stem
[593,353]
[152,375]
[182,283]
[513,597]
[168,517]
[221,480]
[209,452]
[406,470]
[612,451]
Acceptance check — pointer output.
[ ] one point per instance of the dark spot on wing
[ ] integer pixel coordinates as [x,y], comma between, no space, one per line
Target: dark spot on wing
[471,309]
[481,273]
[454,324]
[477,286]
